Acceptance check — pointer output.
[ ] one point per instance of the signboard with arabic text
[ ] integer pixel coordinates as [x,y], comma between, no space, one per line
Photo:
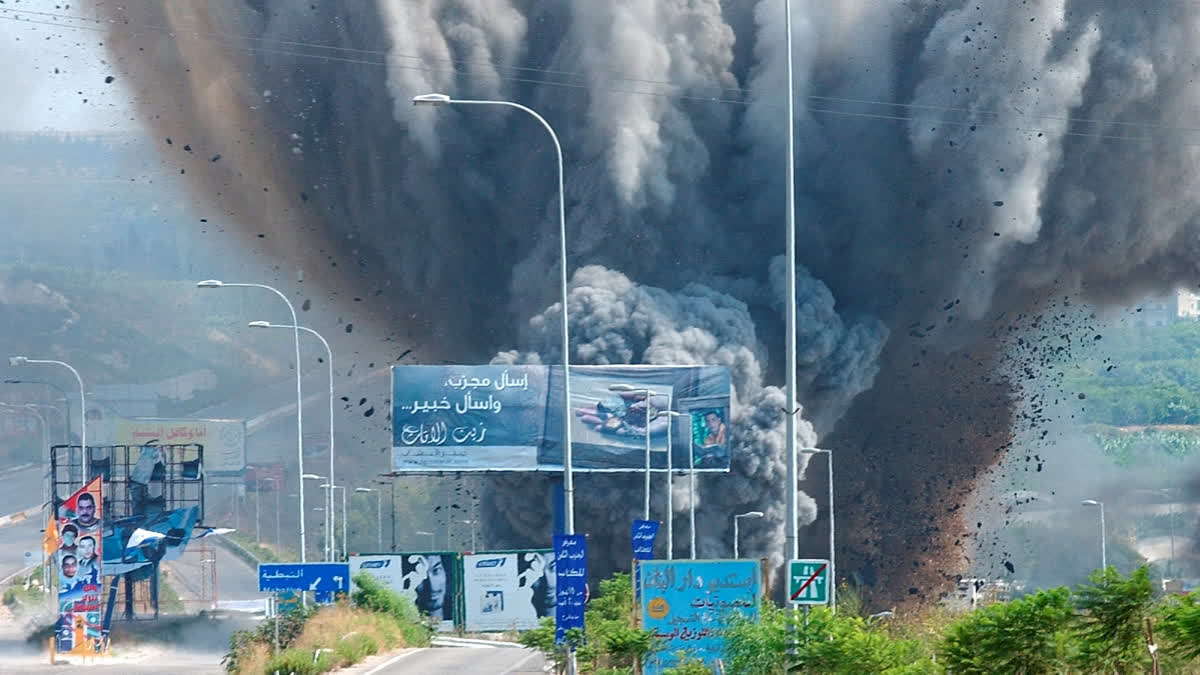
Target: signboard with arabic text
[570,559]
[688,603]
[510,418]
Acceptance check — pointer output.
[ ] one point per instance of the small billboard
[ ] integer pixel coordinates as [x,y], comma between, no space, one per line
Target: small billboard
[510,590]
[432,581]
[688,603]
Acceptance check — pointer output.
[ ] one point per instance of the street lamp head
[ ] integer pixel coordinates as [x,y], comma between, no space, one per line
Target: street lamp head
[17,360]
[358,489]
[751,514]
[1090,502]
[431,99]
[210,283]
[313,476]
[259,324]
[13,381]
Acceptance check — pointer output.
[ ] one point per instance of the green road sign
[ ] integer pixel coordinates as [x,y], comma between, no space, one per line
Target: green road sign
[808,582]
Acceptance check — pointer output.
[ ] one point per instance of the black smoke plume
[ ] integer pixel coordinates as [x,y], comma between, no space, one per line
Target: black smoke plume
[957,164]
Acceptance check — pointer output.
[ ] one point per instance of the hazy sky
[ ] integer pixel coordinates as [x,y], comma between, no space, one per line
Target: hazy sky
[55,70]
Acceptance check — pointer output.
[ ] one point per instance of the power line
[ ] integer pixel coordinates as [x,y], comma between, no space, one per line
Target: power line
[230,40]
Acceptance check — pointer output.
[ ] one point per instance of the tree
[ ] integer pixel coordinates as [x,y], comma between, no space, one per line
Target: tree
[1179,627]
[1112,610]
[1025,636]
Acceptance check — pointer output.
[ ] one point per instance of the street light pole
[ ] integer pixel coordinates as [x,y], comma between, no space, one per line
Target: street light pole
[215,283]
[391,484]
[748,514]
[647,393]
[330,513]
[671,415]
[313,476]
[568,478]
[832,552]
[793,542]
[275,486]
[378,515]
[1103,543]
[21,360]
[65,400]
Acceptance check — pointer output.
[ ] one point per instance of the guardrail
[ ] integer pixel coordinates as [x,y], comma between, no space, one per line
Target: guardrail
[13,518]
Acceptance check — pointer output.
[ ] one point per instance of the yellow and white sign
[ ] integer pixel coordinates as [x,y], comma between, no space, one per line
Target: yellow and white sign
[224,441]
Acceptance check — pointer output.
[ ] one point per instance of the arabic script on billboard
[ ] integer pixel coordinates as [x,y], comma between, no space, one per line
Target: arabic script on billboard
[688,603]
[510,418]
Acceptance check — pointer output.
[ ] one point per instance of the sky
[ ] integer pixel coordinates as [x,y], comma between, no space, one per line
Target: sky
[55,67]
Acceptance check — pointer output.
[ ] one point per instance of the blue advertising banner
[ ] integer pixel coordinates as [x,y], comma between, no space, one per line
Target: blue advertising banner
[570,557]
[510,418]
[321,577]
[643,535]
[688,603]
[133,542]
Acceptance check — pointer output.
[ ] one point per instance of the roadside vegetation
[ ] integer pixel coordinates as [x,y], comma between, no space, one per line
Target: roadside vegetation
[1102,626]
[320,639]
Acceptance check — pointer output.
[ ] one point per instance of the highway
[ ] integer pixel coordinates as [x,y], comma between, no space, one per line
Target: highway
[20,490]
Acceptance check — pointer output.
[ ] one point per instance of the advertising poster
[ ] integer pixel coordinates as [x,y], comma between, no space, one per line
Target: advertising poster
[430,580]
[687,604]
[508,590]
[224,441]
[570,555]
[510,418]
[137,541]
[78,561]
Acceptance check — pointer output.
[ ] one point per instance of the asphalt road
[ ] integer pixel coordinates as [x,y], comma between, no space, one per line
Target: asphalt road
[20,490]
[458,661]
[15,541]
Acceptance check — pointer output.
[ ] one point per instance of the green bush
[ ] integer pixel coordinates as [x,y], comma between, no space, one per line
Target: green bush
[300,662]
[372,595]
[1029,635]
[356,647]
[291,625]
[1113,609]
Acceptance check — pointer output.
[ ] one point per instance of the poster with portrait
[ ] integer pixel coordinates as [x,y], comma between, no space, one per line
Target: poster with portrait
[429,580]
[508,590]
[78,562]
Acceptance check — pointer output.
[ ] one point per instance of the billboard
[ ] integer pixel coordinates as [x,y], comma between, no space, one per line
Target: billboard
[508,590]
[78,560]
[224,441]
[429,580]
[510,418]
[136,541]
[687,604]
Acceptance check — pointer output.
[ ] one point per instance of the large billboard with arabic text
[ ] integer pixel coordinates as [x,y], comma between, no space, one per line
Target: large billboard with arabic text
[510,418]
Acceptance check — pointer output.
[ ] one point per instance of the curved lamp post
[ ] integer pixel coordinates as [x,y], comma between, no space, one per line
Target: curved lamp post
[748,514]
[568,480]
[1103,543]
[331,509]
[22,360]
[215,283]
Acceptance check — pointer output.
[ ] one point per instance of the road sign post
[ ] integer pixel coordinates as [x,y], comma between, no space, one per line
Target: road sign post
[317,577]
[808,582]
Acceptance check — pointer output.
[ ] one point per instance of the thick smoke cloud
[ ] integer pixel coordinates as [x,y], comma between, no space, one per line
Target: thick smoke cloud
[955,164]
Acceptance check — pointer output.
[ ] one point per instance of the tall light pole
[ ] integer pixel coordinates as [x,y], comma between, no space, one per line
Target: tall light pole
[832,552]
[647,393]
[328,540]
[392,496]
[275,486]
[378,515]
[331,511]
[671,415]
[66,401]
[215,283]
[333,551]
[568,479]
[431,536]
[793,542]
[472,524]
[748,514]
[21,361]
[1103,543]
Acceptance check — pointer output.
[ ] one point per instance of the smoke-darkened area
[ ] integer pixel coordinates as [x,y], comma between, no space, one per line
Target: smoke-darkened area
[957,166]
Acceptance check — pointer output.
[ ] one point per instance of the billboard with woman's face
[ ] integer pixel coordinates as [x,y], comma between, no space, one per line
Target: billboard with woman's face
[429,580]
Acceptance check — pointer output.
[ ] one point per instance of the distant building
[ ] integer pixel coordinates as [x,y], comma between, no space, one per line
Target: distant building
[1182,305]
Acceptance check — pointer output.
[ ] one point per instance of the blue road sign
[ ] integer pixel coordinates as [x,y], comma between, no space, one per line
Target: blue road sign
[304,577]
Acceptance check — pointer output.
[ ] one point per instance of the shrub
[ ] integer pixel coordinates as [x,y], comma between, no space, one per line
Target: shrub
[300,662]
[1113,608]
[1024,636]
